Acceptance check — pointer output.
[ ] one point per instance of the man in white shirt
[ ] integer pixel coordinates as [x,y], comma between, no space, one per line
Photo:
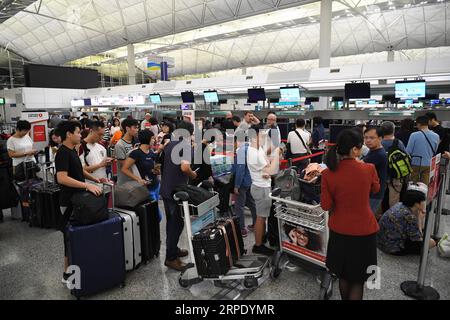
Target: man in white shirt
[92,154]
[146,124]
[298,142]
[261,169]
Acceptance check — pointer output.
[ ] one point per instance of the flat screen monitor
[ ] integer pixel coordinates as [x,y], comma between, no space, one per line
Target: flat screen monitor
[290,94]
[188,97]
[447,101]
[184,107]
[410,89]
[357,90]
[87,102]
[256,94]
[155,98]
[211,96]
[409,101]
[437,101]
[336,129]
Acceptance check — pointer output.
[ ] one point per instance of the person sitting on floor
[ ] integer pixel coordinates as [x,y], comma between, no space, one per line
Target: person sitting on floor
[401,226]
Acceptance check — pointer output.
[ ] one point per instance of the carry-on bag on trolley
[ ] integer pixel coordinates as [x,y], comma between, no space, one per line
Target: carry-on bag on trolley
[131,231]
[215,249]
[210,253]
[98,251]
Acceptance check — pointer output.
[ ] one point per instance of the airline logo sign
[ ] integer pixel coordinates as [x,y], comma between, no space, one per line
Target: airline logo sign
[35,116]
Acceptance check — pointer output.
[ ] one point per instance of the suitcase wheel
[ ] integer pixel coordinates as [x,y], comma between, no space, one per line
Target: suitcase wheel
[183,283]
[250,283]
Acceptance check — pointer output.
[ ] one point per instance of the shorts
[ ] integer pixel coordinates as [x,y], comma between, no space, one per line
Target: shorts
[262,200]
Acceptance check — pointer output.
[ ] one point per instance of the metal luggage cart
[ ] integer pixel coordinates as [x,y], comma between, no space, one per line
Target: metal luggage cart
[248,269]
[303,235]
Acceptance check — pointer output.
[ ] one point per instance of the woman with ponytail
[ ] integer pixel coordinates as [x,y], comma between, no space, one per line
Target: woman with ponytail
[346,186]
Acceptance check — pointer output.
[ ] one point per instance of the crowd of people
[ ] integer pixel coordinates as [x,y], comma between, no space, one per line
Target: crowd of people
[370,204]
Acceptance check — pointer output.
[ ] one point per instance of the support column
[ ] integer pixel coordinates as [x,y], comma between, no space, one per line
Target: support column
[390,56]
[131,65]
[325,33]
[11,74]
[326,12]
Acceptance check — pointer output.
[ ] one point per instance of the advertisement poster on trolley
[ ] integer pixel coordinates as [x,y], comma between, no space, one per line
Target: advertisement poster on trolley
[304,241]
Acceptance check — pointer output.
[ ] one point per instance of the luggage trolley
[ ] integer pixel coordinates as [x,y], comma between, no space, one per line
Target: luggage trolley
[303,235]
[248,269]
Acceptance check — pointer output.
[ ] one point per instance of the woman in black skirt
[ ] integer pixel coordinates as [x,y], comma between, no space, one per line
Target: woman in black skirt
[346,187]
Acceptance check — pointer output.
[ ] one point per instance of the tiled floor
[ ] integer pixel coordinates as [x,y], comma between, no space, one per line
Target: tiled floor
[31,268]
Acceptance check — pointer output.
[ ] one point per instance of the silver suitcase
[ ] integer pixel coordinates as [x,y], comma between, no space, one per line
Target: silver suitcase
[131,238]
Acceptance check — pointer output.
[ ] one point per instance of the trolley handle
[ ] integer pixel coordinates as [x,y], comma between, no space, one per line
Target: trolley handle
[181,196]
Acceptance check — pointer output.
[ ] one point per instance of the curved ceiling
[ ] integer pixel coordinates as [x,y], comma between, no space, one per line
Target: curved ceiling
[404,29]
[57,31]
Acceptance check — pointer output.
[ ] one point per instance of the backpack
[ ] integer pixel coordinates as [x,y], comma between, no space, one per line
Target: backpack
[84,150]
[287,181]
[399,162]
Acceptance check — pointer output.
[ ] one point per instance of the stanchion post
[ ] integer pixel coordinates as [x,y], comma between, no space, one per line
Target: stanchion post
[440,202]
[445,211]
[417,289]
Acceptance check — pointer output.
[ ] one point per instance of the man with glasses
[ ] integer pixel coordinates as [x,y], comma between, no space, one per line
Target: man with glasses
[377,156]
[92,154]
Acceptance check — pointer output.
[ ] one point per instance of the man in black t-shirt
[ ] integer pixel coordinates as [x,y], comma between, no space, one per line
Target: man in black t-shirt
[177,171]
[444,134]
[71,176]
[373,137]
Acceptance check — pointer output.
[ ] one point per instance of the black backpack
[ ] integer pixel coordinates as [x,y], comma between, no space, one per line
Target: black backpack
[84,150]
[88,209]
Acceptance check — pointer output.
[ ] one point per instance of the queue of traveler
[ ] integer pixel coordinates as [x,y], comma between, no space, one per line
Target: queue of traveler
[354,187]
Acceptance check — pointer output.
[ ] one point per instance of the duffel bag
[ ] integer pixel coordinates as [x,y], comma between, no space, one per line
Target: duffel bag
[130,194]
[88,209]
[197,195]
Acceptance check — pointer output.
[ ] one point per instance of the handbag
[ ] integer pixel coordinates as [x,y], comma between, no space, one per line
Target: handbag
[88,209]
[444,246]
[130,194]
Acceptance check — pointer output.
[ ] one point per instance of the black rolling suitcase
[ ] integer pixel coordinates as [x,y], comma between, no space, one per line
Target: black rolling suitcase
[44,207]
[210,252]
[149,228]
[44,204]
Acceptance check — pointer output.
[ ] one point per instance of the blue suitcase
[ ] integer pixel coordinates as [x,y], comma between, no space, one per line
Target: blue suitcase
[98,251]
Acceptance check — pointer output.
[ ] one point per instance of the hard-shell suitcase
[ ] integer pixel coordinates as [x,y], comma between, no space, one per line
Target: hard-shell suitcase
[99,253]
[44,207]
[149,228]
[231,227]
[132,238]
[210,252]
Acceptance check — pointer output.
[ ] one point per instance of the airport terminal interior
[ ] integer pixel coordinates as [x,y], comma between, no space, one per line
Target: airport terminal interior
[224,150]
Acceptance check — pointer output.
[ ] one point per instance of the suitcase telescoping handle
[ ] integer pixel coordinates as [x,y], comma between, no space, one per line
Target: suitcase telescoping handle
[111,187]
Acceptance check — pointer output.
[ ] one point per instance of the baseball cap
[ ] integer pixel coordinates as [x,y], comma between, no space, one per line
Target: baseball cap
[148,114]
